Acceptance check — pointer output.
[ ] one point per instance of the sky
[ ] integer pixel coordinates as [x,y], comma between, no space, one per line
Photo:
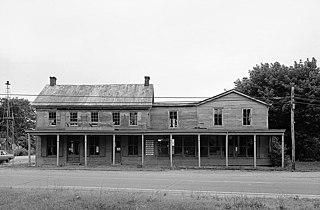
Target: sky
[189,48]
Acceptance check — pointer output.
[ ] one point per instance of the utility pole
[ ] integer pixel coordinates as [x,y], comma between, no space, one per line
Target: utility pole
[293,167]
[7,115]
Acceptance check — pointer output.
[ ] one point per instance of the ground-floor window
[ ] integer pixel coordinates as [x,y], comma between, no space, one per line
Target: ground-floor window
[51,145]
[133,145]
[212,146]
[94,147]
[240,146]
[163,146]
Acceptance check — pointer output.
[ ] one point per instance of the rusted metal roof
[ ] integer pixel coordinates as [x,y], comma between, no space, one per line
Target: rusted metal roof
[114,95]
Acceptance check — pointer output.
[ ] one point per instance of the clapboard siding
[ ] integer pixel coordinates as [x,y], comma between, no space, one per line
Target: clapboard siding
[232,106]
[187,117]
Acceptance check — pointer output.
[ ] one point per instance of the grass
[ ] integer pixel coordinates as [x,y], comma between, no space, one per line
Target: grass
[12,198]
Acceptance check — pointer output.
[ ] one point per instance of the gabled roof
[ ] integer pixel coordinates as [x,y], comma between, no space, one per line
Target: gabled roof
[112,95]
[229,92]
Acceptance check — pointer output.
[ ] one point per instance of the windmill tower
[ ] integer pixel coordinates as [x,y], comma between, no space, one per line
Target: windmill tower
[9,122]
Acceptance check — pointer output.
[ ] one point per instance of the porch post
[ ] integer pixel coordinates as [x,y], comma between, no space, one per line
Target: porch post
[114,149]
[199,155]
[85,150]
[58,142]
[142,149]
[170,145]
[282,150]
[227,161]
[255,151]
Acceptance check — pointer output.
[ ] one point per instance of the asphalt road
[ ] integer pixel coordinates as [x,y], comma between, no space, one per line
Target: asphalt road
[250,183]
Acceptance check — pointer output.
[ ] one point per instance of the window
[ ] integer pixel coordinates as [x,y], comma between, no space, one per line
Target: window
[51,145]
[245,146]
[212,146]
[94,118]
[73,119]
[116,118]
[173,119]
[217,119]
[133,118]
[246,117]
[52,118]
[133,145]
[163,146]
[93,143]
[189,147]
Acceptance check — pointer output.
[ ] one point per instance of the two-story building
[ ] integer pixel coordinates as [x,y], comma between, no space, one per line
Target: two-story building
[121,124]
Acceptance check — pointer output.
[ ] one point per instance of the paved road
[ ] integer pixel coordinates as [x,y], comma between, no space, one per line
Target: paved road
[251,183]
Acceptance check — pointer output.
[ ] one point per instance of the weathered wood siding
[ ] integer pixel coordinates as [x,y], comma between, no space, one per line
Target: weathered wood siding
[84,120]
[232,106]
[187,117]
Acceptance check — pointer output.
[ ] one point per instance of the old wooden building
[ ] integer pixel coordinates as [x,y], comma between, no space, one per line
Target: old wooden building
[121,124]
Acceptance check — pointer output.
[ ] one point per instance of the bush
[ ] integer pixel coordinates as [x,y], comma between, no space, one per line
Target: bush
[276,153]
[20,152]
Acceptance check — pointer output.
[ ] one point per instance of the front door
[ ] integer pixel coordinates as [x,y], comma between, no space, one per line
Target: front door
[118,151]
[73,150]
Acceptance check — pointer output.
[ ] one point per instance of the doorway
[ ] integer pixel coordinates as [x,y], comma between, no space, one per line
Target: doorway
[118,152]
[73,150]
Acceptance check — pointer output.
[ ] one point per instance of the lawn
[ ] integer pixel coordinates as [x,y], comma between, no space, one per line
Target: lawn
[74,199]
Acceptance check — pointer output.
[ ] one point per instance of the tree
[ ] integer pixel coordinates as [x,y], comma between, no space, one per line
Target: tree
[24,119]
[272,83]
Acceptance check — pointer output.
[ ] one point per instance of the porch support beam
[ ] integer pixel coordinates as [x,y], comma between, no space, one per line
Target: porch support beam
[227,138]
[29,150]
[170,144]
[113,149]
[282,150]
[255,151]
[142,149]
[199,155]
[58,146]
[85,150]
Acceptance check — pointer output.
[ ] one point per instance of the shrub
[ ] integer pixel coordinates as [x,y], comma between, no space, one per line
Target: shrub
[276,153]
[20,152]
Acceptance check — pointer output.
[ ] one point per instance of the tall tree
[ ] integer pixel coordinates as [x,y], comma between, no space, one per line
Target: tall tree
[24,119]
[272,83]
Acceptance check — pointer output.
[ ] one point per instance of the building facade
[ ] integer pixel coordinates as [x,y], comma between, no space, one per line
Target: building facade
[121,124]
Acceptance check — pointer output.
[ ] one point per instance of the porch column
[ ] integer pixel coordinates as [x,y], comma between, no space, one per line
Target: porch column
[282,150]
[255,151]
[58,142]
[199,155]
[227,161]
[85,150]
[142,149]
[114,149]
[170,145]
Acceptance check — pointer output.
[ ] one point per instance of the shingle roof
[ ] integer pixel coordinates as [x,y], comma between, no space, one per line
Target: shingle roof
[114,95]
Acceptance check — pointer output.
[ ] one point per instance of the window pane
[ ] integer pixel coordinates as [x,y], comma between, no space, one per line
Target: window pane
[116,118]
[133,118]
[173,119]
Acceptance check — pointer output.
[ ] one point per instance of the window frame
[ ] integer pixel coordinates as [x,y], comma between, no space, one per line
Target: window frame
[51,146]
[247,119]
[73,120]
[133,145]
[54,123]
[135,119]
[170,123]
[94,142]
[116,118]
[95,116]
[218,114]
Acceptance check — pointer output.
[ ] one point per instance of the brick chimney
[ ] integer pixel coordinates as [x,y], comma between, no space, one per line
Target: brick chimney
[53,81]
[146,80]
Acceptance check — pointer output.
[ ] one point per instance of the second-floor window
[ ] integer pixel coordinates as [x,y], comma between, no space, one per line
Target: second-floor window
[217,116]
[52,118]
[173,119]
[73,119]
[246,116]
[94,118]
[133,118]
[116,118]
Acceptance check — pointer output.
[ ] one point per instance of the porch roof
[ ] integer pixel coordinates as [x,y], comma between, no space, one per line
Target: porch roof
[160,132]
